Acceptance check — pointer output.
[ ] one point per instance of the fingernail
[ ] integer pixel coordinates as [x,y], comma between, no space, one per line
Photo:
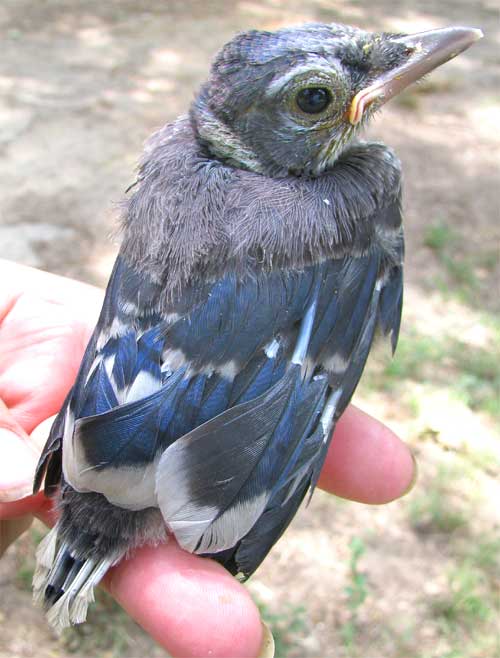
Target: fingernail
[415,475]
[17,467]
[267,647]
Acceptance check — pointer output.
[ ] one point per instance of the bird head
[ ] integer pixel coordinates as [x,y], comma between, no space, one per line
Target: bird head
[290,101]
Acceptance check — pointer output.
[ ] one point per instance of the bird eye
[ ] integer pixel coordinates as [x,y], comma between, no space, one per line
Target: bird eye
[313,100]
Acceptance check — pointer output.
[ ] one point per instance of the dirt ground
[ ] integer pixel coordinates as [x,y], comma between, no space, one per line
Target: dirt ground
[82,85]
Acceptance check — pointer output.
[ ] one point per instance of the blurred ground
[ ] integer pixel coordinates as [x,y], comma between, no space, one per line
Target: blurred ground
[82,85]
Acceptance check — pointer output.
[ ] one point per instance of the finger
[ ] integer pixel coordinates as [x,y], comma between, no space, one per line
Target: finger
[28,505]
[192,606]
[46,509]
[366,461]
[19,458]
[85,299]
[17,467]
[42,346]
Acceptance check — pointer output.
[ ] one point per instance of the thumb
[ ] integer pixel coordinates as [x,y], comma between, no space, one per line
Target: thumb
[19,457]
[18,461]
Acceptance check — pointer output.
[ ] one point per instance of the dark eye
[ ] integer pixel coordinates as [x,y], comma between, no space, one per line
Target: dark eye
[313,100]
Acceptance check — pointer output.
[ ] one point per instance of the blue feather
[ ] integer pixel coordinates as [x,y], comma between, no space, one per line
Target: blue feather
[172,392]
[149,350]
[391,303]
[258,376]
[124,349]
[187,406]
[353,305]
[110,439]
[242,449]
[241,316]
[215,398]
[99,393]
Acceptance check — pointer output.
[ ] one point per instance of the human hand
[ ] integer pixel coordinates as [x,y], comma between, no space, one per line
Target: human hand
[190,605]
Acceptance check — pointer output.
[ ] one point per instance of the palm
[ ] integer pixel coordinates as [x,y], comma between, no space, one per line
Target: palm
[41,345]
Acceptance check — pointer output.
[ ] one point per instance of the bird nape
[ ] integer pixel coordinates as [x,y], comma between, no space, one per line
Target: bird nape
[261,251]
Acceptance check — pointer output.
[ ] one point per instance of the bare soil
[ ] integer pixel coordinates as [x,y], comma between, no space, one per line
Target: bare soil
[82,85]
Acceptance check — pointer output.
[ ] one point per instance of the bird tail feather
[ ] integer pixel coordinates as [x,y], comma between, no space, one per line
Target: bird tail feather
[63,584]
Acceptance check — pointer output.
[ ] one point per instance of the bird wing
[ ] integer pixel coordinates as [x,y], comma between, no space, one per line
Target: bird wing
[230,487]
[219,411]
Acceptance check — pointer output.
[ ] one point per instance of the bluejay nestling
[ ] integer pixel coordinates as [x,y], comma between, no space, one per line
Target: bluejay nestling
[262,250]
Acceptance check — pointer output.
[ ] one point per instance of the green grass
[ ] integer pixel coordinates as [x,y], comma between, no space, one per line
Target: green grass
[469,609]
[26,559]
[471,373]
[413,356]
[108,631]
[478,383]
[24,576]
[439,236]
[464,614]
[485,555]
[466,271]
[488,259]
[356,591]
[437,508]
[285,626]
[465,603]
[461,271]
[485,459]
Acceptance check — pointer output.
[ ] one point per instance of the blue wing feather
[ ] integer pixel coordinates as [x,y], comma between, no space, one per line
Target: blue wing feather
[133,406]
[353,302]
[125,351]
[391,305]
[259,375]
[215,399]
[110,439]
[242,316]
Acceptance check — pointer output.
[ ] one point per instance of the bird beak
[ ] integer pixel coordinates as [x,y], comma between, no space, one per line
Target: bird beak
[427,51]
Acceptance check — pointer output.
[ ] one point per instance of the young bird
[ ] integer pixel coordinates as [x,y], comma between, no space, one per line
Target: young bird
[262,249]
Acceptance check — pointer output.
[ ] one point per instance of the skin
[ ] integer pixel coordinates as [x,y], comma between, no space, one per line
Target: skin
[189,605]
